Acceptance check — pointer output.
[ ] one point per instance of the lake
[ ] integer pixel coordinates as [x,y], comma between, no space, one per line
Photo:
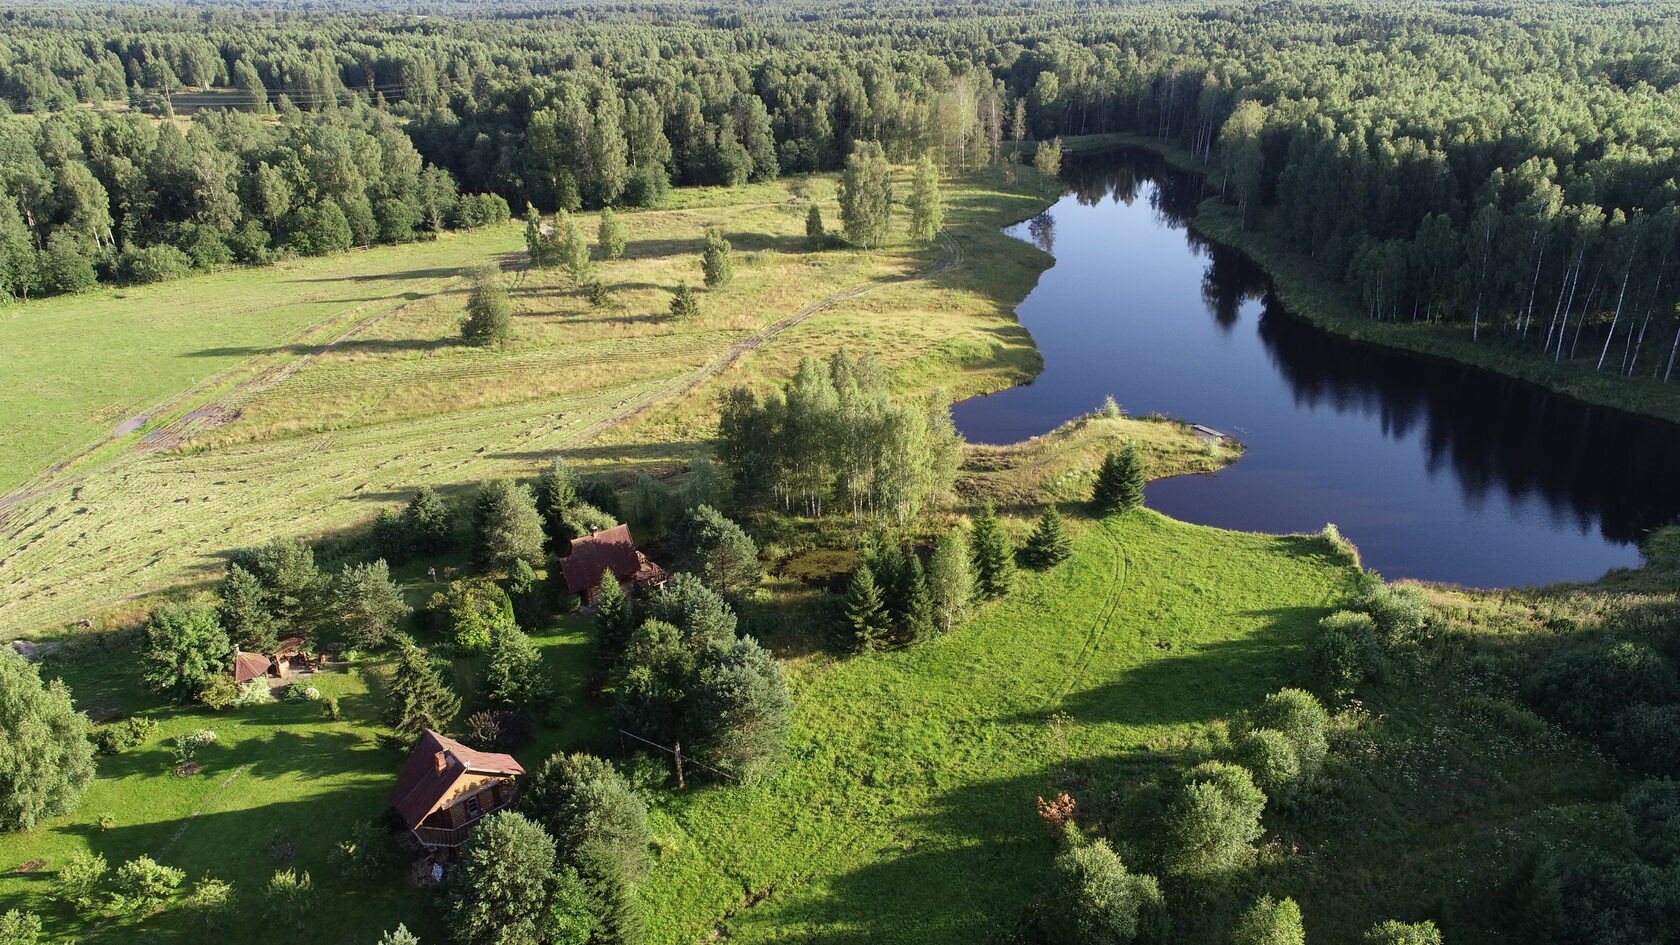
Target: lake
[1435,470]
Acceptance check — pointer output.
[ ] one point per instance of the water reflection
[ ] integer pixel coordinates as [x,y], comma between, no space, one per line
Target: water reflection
[1436,470]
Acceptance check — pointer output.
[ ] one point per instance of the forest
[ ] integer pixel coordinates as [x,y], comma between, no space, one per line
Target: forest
[1505,168]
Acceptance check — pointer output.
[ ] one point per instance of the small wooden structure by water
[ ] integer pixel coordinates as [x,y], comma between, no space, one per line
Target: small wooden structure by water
[1207,433]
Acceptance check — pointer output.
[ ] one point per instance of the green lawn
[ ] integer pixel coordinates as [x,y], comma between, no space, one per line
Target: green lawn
[906,810]
[277,773]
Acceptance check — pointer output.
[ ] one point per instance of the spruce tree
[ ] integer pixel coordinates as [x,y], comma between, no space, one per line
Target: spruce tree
[914,613]
[610,234]
[1119,486]
[1049,544]
[419,700]
[244,614]
[684,305]
[615,619]
[815,236]
[489,318]
[950,577]
[994,555]
[429,521]
[866,612]
[716,261]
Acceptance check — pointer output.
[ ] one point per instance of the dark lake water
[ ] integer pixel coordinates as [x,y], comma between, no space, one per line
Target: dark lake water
[1436,471]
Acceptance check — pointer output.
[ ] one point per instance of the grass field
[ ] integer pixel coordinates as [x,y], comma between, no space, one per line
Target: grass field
[284,428]
[906,810]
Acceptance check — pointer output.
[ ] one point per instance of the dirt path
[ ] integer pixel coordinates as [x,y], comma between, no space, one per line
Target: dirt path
[950,257]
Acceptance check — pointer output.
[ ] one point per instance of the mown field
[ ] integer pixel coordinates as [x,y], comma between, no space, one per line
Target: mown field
[282,430]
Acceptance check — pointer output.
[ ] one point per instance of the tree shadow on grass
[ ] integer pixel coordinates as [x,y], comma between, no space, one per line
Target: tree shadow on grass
[435,272]
[372,345]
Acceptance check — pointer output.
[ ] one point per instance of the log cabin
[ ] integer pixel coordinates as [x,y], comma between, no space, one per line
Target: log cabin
[609,551]
[446,788]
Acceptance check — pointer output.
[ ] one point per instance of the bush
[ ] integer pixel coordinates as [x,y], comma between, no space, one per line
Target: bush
[329,708]
[212,902]
[150,264]
[143,883]
[366,853]
[1095,900]
[117,737]
[1270,922]
[498,730]
[253,692]
[474,610]
[79,875]
[1209,826]
[19,928]
[1302,720]
[1345,654]
[1647,738]
[220,692]
[187,746]
[300,692]
[1402,933]
[1400,613]
[1587,688]
[286,900]
[1271,759]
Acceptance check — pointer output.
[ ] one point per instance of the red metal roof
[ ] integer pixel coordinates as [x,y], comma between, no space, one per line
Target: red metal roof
[434,765]
[593,555]
[249,666]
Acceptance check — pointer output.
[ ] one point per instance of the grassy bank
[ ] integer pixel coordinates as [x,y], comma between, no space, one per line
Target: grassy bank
[1310,291]
[310,431]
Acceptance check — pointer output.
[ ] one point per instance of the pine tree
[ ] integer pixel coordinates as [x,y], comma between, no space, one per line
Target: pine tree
[815,236]
[610,234]
[866,612]
[950,578]
[507,524]
[927,210]
[684,305]
[994,555]
[716,261]
[366,606]
[914,610]
[489,318]
[1119,486]
[1049,543]
[419,700]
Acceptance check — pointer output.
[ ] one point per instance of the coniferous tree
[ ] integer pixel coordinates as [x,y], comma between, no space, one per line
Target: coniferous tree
[46,760]
[684,304]
[716,260]
[513,891]
[866,611]
[429,521]
[927,209]
[367,606]
[994,555]
[950,577]
[913,602]
[1049,544]
[419,699]
[243,611]
[489,318]
[1119,485]
[615,619]
[815,236]
[515,675]
[716,550]
[610,234]
[506,522]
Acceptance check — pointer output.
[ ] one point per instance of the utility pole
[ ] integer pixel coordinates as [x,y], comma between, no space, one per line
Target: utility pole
[677,754]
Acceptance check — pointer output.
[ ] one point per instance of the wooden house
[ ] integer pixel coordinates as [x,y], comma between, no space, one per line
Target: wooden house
[446,788]
[610,551]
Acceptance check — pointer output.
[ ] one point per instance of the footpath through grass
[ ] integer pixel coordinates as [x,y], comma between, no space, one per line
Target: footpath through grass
[906,810]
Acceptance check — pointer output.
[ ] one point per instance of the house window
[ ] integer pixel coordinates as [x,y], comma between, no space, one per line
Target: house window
[474,808]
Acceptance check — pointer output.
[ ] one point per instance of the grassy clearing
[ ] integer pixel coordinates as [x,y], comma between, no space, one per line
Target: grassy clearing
[277,773]
[905,813]
[327,435]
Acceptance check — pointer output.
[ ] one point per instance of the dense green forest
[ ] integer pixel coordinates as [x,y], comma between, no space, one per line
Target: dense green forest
[1508,166]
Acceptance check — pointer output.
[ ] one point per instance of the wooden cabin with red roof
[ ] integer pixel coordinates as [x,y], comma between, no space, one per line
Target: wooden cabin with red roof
[609,551]
[446,788]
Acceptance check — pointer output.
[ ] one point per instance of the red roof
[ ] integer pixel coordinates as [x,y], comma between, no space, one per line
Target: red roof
[249,666]
[434,766]
[593,555]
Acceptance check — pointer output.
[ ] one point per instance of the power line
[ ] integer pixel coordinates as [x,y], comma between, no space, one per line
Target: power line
[678,754]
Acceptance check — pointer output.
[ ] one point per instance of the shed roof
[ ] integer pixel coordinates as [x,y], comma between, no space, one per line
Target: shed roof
[593,555]
[433,767]
[249,666]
